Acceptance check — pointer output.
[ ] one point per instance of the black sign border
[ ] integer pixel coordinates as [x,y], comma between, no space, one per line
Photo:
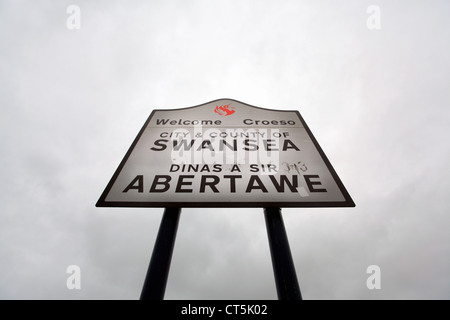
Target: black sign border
[348,202]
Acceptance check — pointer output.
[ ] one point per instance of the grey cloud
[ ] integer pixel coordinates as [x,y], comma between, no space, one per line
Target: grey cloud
[72,102]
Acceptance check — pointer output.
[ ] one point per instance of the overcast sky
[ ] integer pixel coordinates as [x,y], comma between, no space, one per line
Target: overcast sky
[72,100]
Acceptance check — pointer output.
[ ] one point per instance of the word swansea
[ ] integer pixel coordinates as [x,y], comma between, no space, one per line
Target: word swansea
[220,145]
[210,183]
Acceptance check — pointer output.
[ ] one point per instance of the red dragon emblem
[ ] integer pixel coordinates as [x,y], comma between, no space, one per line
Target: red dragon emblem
[224,110]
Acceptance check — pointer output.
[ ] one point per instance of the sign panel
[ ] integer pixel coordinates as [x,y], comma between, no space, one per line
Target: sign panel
[225,153]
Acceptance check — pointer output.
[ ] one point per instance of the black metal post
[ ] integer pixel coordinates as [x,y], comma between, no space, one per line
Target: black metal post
[283,265]
[158,269]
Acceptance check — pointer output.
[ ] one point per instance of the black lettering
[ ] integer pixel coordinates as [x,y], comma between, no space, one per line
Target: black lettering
[311,184]
[284,180]
[251,185]
[156,182]
[161,121]
[140,186]
[268,122]
[192,168]
[269,144]
[288,144]
[235,168]
[232,182]
[248,143]
[174,168]
[229,146]
[206,144]
[161,143]
[182,183]
[183,143]
[211,184]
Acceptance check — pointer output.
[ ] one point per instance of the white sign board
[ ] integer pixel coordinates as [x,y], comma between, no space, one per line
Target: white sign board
[225,153]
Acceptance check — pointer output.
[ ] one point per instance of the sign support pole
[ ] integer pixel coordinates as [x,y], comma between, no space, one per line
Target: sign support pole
[283,265]
[158,270]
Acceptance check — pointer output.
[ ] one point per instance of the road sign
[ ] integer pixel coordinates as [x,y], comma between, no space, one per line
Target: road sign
[225,153]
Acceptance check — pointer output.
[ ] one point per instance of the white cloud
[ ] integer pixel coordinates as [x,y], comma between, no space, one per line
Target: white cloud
[72,102]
